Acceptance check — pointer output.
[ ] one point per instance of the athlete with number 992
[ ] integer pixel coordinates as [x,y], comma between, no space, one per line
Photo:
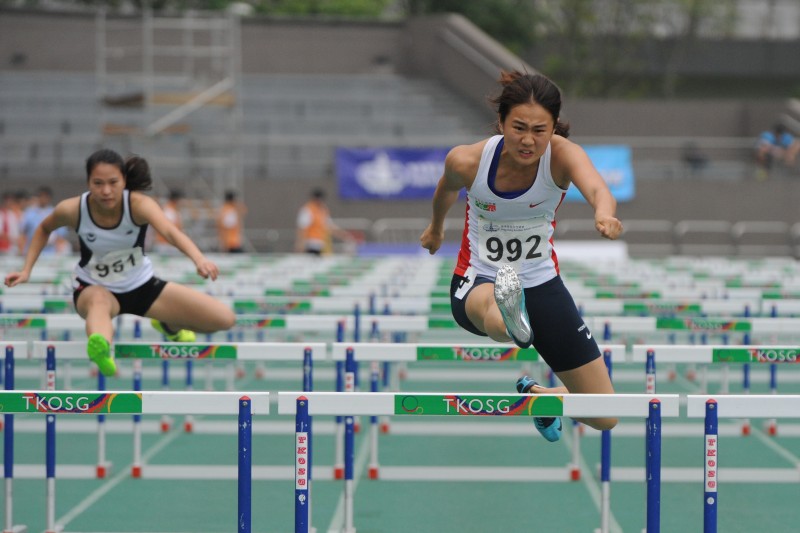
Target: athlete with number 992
[506,283]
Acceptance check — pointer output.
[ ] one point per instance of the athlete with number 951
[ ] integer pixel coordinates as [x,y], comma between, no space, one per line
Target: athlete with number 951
[506,283]
[114,275]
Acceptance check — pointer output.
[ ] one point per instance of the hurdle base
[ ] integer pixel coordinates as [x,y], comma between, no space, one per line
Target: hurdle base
[338,472]
[373,472]
[385,427]
[102,469]
[136,471]
[166,424]
[188,425]
[745,430]
[575,473]
[16,529]
[772,429]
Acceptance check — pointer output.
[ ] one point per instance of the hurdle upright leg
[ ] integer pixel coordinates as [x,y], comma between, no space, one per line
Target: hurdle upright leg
[8,451]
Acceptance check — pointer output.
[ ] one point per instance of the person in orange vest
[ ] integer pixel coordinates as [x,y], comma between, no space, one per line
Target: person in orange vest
[172,210]
[315,229]
[229,224]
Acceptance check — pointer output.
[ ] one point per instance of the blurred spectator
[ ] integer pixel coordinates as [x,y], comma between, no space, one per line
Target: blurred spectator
[694,158]
[230,224]
[10,216]
[773,145]
[33,215]
[172,210]
[315,229]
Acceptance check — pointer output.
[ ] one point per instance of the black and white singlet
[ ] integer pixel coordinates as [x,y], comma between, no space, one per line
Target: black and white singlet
[112,257]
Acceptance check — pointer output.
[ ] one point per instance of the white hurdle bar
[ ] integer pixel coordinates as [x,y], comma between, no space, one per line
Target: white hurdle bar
[711,408]
[50,403]
[652,407]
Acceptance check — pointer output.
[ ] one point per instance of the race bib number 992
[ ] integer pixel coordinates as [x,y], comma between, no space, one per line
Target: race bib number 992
[517,241]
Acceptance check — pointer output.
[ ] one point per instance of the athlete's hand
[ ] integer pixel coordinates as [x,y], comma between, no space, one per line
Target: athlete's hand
[609,227]
[15,278]
[431,239]
[207,269]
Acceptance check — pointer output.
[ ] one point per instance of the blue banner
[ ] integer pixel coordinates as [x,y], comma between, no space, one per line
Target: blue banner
[389,173]
[614,163]
[412,173]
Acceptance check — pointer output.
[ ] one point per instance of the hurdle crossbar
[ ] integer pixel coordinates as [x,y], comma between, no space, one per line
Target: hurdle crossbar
[427,404]
[243,351]
[746,405]
[144,402]
[708,353]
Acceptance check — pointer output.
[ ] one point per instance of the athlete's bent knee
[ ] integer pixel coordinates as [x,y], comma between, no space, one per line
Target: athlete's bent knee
[602,424]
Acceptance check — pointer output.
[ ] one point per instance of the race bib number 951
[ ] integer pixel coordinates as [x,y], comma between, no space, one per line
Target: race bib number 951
[115,266]
[514,241]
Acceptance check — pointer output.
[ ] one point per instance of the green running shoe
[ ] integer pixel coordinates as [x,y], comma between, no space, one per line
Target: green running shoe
[100,353]
[182,335]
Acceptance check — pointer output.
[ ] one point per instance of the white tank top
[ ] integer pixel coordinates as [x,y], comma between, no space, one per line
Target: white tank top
[112,257]
[510,228]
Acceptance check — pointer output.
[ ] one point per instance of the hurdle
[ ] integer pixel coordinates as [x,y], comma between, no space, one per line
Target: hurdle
[711,408]
[51,403]
[486,353]
[718,354]
[652,407]
[138,351]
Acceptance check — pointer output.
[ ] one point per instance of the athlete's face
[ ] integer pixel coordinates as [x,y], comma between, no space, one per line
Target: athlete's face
[106,184]
[527,130]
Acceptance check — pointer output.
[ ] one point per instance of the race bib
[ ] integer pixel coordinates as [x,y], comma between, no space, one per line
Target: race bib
[115,266]
[513,241]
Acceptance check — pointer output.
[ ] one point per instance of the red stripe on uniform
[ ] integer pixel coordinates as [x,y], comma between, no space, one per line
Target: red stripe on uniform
[464,255]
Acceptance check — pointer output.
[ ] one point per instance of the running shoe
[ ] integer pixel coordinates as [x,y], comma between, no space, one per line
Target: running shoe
[510,299]
[182,335]
[99,352]
[548,426]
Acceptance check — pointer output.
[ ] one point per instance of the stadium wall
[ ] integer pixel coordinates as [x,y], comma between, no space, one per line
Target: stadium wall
[31,41]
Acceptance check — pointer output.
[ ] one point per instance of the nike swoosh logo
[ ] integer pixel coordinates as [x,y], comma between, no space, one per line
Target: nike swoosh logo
[534,205]
[588,334]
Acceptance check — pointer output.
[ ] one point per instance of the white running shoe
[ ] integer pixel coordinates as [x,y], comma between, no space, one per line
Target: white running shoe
[510,299]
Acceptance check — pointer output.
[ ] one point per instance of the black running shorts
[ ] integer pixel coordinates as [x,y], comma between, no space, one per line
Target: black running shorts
[559,333]
[135,302]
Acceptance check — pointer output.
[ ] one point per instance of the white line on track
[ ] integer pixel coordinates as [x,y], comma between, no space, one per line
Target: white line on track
[589,482]
[337,521]
[106,487]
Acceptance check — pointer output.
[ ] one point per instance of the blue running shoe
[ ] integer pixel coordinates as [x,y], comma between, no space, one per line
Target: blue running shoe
[548,426]
[510,299]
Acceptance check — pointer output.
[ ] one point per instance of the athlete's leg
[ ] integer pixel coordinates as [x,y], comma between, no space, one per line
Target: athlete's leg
[97,306]
[180,307]
[483,312]
[591,378]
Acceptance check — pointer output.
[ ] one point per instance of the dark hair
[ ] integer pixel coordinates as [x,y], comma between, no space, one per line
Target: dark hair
[175,194]
[230,195]
[134,169]
[318,194]
[45,190]
[519,88]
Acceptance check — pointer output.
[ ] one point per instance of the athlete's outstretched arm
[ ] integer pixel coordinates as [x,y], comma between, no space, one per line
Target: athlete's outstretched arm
[65,213]
[446,194]
[593,187]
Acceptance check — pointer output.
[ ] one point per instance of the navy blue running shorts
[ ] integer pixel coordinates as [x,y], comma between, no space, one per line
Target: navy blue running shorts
[559,333]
